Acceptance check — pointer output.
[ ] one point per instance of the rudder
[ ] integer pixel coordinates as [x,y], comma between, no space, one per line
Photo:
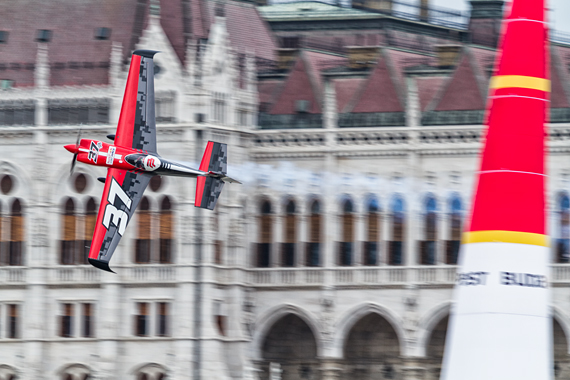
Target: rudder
[208,189]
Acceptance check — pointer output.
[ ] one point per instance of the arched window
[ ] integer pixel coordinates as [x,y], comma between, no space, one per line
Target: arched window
[265,235]
[68,238]
[347,243]
[314,244]
[454,242]
[398,232]
[563,246]
[16,233]
[143,242]
[288,247]
[372,232]
[429,244]
[89,228]
[166,231]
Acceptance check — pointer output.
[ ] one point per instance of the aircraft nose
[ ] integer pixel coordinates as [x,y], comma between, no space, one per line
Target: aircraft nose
[71,148]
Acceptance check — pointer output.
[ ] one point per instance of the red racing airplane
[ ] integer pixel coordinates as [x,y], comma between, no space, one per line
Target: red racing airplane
[132,160]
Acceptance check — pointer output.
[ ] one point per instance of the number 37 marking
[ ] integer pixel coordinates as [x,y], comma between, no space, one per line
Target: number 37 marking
[113,215]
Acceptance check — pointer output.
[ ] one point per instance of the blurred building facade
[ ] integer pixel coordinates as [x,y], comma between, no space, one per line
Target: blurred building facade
[356,131]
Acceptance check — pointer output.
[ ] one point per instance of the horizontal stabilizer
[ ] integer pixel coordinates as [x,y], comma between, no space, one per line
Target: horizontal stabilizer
[208,189]
[230,180]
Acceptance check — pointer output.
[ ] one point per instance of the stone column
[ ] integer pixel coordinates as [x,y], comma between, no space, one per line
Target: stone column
[331,369]
[411,230]
[442,233]
[278,225]
[413,121]
[41,82]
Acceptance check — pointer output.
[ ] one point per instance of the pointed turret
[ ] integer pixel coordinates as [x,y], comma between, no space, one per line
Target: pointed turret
[500,326]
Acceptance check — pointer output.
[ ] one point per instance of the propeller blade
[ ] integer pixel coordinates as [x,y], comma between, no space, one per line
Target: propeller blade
[73,163]
[75,154]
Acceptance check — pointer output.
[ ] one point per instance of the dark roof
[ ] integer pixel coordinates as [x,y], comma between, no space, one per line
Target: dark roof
[301,84]
[462,91]
[345,89]
[427,89]
[77,57]
[379,93]
[247,31]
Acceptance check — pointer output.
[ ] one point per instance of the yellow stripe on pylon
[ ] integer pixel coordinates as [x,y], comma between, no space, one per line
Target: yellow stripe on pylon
[520,81]
[505,237]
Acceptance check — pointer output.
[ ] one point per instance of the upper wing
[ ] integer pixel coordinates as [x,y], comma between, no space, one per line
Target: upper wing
[122,193]
[137,125]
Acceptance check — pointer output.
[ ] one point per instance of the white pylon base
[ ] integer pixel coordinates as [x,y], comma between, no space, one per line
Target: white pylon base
[500,327]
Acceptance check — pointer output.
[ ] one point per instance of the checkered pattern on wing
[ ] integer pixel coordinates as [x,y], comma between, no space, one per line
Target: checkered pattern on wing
[144,131]
[219,158]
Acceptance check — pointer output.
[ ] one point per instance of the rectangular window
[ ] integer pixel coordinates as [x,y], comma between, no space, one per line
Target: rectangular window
[66,322]
[219,108]
[165,235]
[162,327]
[291,42]
[82,111]
[242,118]
[218,248]
[13,321]
[143,242]
[141,319]
[17,112]
[87,323]
[164,106]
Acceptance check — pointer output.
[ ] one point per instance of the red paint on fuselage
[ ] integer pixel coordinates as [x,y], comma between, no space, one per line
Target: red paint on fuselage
[94,152]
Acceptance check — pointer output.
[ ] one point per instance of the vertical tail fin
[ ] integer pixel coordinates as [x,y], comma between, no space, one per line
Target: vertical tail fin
[208,189]
[215,158]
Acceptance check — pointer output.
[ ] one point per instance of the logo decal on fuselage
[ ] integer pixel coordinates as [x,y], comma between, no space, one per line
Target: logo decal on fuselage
[94,151]
[111,155]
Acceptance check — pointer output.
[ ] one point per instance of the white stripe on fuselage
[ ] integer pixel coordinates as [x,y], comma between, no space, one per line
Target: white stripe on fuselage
[103,154]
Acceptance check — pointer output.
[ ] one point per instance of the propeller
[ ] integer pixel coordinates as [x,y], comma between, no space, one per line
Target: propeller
[76,152]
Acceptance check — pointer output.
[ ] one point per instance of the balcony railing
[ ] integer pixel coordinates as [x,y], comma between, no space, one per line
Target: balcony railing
[432,275]
[149,273]
[74,274]
[362,275]
[12,275]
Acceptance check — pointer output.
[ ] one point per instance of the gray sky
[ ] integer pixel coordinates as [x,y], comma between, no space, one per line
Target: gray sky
[559,16]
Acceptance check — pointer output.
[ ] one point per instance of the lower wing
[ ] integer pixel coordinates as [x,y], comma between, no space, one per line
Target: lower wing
[121,195]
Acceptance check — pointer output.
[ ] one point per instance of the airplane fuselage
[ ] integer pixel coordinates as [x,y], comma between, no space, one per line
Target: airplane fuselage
[99,153]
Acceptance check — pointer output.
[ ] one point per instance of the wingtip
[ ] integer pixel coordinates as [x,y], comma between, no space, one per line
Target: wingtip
[100,265]
[145,53]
